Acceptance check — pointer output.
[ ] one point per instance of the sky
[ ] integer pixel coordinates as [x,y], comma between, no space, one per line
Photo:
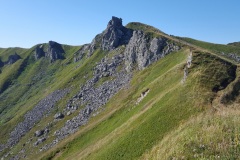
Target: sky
[25,23]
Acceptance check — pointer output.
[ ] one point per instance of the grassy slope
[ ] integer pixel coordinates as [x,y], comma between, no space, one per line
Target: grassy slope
[213,134]
[29,87]
[5,52]
[218,48]
[126,130]
[60,74]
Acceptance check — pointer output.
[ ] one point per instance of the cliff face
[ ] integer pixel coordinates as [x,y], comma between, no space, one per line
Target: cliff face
[142,51]
[55,51]
[140,48]
[115,34]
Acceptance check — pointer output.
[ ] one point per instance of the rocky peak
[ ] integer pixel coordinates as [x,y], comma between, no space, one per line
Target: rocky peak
[55,51]
[115,22]
[115,34]
[13,58]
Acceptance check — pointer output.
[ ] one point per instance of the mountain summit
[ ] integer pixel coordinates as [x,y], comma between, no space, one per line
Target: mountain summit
[115,34]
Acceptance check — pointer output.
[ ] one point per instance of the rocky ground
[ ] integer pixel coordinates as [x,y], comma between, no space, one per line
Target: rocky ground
[92,96]
[43,108]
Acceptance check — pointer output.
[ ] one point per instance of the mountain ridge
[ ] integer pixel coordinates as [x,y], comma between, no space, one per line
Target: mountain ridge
[60,97]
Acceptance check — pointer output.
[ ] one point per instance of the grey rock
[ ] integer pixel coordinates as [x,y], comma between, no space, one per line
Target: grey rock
[96,43]
[69,113]
[43,108]
[59,116]
[136,51]
[39,141]
[115,34]
[46,131]
[93,97]
[233,56]
[39,133]
[54,51]
[139,52]
[39,52]
[81,52]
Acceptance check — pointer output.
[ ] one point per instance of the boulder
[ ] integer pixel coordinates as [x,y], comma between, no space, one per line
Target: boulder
[46,131]
[39,141]
[39,133]
[69,113]
[58,116]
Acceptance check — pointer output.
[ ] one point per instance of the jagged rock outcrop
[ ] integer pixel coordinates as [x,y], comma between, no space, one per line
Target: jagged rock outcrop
[142,51]
[115,34]
[39,52]
[54,51]
[13,58]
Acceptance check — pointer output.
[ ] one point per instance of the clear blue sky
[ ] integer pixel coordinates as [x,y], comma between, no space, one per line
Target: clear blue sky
[25,23]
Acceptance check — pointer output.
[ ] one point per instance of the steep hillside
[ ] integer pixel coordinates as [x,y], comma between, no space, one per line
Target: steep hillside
[134,92]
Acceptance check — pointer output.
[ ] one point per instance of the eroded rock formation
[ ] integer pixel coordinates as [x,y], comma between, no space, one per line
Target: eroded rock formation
[142,51]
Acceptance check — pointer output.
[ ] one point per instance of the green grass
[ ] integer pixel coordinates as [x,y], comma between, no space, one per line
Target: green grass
[207,136]
[133,130]
[5,52]
[31,86]
[26,89]
[218,48]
